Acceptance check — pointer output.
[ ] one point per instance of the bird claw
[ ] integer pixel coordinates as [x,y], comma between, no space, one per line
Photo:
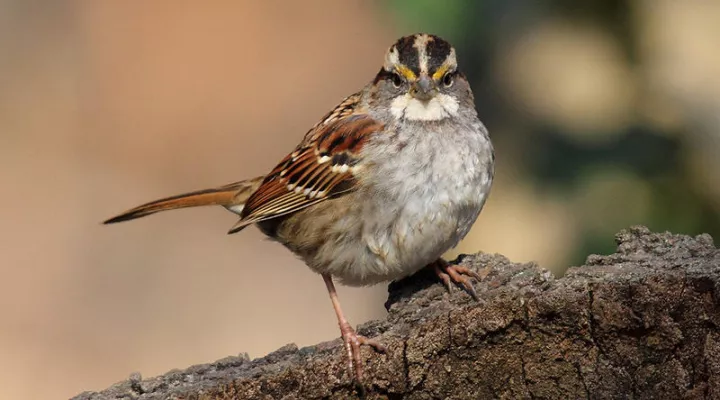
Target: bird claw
[459,275]
[353,341]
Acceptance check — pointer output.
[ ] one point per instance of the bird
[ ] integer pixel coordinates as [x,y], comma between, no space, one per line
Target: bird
[381,187]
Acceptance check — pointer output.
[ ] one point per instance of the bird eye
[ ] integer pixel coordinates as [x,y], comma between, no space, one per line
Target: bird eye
[397,80]
[448,79]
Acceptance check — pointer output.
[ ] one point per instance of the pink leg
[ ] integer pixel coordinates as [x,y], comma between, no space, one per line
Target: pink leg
[352,340]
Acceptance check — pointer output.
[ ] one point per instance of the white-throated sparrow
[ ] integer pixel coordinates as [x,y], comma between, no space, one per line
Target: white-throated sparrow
[381,187]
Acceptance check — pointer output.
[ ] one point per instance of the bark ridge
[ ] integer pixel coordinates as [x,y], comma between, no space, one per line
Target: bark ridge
[642,323]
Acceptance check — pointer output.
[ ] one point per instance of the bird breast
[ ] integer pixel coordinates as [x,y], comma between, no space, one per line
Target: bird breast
[420,192]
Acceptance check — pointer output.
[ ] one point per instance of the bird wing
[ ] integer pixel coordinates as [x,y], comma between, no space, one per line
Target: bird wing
[323,166]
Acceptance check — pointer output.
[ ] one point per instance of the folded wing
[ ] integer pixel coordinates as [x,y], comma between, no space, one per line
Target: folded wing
[323,166]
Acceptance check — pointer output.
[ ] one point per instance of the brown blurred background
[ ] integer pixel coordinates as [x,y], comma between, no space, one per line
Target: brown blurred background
[604,115]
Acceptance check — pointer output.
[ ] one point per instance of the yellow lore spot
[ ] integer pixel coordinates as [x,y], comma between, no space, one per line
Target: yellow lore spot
[406,72]
[440,72]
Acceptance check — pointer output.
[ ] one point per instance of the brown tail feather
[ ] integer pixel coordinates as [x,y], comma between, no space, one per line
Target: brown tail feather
[231,196]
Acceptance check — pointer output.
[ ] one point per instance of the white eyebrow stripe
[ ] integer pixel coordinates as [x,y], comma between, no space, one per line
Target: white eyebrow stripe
[392,58]
[451,59]
[450,62]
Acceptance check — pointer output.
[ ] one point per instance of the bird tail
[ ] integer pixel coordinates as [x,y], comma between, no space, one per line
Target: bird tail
[232,196]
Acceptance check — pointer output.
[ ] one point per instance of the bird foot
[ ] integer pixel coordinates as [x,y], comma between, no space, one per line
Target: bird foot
[459,275]
[353,341]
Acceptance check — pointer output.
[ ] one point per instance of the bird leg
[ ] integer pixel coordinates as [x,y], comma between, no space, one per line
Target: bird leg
[352,340]
[457,274]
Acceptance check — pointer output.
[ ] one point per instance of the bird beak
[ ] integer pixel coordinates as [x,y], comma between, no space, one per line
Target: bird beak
[423,89]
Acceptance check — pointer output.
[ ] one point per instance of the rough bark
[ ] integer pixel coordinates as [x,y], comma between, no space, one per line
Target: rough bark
[643,323]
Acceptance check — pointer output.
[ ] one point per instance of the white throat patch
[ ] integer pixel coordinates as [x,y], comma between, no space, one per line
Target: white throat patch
[439,107]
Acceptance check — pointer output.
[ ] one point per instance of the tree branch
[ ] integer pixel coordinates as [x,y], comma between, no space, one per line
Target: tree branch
[641,323]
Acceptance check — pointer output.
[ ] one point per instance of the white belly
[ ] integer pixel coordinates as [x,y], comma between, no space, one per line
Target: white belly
[395,240]
[414,209]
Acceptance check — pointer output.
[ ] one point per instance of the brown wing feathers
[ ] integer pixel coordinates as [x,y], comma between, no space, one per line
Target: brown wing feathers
[321,167]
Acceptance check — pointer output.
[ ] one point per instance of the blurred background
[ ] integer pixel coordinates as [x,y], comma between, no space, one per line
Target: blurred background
[604,114]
